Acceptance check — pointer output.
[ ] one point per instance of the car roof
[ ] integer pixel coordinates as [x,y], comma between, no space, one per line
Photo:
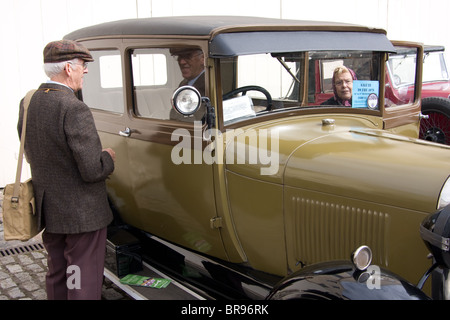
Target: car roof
[426,49]
[432,48]
[205,26]
[233,35]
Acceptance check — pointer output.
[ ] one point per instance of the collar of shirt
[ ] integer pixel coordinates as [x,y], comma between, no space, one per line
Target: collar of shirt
[191,82]
[61,84]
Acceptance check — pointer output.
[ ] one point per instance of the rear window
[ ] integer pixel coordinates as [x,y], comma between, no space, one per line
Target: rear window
[103,84]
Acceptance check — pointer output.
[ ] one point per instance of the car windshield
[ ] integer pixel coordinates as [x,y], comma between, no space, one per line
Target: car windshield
[434,67]
[401,67]
[259,84]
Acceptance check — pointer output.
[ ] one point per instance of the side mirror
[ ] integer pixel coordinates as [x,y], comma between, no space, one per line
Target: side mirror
[186,100]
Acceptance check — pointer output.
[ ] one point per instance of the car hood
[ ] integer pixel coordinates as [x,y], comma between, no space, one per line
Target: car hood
[350,158]
[433,89]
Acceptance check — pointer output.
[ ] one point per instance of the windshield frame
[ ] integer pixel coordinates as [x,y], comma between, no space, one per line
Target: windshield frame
[301,105]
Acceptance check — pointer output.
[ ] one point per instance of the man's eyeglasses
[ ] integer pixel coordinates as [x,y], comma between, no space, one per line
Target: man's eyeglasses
[187,56]
[84,64]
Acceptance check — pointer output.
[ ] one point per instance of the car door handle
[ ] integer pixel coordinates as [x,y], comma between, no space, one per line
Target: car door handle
[423,116]
[125,133]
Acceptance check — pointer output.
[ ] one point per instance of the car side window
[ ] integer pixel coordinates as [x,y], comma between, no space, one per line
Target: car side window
[155,76]
[103,88]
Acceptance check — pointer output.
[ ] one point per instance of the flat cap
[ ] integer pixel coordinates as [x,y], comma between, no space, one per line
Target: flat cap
[65,50]
[183,50]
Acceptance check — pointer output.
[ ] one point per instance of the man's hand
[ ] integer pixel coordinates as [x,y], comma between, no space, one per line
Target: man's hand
[111,153]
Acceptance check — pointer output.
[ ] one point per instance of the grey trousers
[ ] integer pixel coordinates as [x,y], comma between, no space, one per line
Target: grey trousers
[75,265]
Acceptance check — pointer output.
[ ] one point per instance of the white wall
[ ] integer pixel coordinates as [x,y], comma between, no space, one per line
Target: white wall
[26,26]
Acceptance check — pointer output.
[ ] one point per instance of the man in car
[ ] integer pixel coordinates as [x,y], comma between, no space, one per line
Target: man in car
[192,66]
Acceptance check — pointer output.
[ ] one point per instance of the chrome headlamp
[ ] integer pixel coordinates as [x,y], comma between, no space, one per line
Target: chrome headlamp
[186,100]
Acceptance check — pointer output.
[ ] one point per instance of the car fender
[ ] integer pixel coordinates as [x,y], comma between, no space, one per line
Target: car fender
[340,280]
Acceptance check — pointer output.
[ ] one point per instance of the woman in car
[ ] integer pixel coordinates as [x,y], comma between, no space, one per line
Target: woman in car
[342,82]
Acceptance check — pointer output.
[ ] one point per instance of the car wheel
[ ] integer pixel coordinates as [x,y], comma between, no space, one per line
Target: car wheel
[437,127]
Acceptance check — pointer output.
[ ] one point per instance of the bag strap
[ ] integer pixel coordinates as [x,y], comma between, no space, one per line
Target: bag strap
[26,103]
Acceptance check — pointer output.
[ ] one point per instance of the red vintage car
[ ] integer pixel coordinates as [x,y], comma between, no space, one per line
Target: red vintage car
[435,126]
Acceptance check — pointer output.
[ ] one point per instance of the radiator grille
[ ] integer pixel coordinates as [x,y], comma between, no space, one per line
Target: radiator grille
[325,231]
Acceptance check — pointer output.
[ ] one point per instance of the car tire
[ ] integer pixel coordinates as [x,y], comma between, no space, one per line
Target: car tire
[437,127]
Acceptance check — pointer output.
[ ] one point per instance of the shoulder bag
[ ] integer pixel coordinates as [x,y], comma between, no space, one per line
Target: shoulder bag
[20,221]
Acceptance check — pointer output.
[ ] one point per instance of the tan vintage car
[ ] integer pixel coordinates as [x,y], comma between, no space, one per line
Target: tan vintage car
[243,179]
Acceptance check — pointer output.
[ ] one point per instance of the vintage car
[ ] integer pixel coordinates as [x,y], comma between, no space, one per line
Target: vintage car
[244,184]
[435,89]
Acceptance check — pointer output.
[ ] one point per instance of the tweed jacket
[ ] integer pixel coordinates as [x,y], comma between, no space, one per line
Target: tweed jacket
[68,166]
[199,84]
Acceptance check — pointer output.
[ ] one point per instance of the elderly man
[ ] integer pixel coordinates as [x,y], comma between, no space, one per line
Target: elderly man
[192,66]
[69,169]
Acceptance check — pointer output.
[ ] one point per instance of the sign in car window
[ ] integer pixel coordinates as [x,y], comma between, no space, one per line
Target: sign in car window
[240,107]
[365,94]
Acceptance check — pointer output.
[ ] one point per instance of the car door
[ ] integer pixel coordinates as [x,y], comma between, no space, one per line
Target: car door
[402,98]
[150,188]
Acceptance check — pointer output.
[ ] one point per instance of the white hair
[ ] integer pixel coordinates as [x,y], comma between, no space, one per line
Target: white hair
[54,68]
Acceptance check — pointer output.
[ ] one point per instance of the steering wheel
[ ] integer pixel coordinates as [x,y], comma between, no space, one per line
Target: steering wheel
[244,90]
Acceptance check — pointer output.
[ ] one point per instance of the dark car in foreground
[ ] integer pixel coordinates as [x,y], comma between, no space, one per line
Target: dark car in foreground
[254,188]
